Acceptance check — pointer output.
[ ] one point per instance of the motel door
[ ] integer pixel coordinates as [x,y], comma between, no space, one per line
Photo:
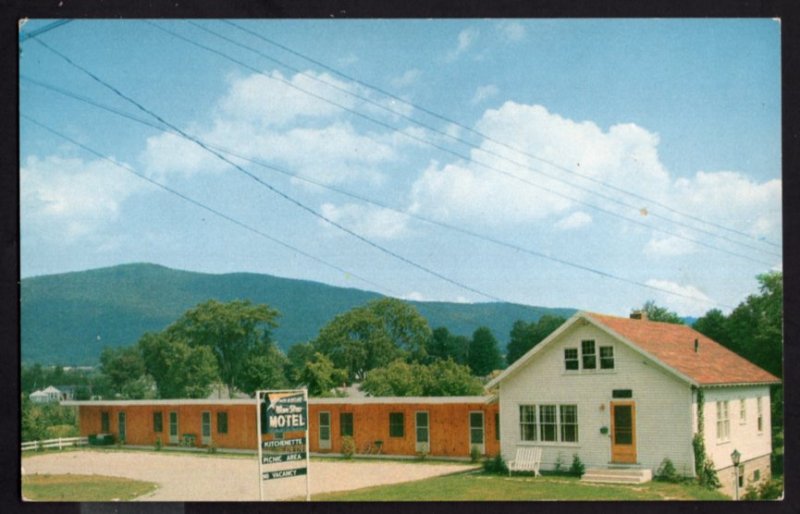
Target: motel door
[122,427]
[423,432]
[623,432]
[206,428]
[173,427]
[324,430]
[476,431]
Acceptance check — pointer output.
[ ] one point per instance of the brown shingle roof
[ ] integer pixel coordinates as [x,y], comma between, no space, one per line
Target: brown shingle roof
[673,345]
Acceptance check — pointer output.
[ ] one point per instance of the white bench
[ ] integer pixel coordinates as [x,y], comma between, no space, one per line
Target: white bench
[528,458]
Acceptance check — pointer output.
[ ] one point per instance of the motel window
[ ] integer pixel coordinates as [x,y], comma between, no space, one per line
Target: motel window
[569,423]
[222,422]
[104,423]
[346,424]
[570,359]
[723,422]
[606,357]
[760,415]
[158,422]
[547,420]
[396,428]
[742,411]
[527,422]
[588,354]
[549,423]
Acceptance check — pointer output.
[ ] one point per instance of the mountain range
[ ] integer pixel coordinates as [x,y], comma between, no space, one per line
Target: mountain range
[68,318]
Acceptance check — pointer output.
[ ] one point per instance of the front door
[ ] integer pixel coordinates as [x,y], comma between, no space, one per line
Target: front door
[623,432]
[173,427]
[476,431]
[206,428]
[123,428]
[423,432]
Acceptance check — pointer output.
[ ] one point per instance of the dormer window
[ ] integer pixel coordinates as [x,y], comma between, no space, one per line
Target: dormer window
[571,359]
[588,354]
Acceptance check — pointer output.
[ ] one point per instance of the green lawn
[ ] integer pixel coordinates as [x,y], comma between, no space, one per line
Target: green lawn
[83,488]
[479,486]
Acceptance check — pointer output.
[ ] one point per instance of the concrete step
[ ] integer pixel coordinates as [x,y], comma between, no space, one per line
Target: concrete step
[615,475]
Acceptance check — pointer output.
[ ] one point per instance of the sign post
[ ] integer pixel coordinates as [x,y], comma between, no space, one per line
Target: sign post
[277,413]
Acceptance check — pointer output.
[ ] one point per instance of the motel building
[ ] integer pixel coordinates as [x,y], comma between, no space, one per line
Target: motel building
[621,393]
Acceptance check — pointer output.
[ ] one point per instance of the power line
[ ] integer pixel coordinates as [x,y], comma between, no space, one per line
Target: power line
[477,235]
[269,186]
[488,138]
[459,155]
[201,205]
[32,34]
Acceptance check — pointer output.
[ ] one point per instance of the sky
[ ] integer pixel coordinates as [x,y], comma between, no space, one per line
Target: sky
[593,164]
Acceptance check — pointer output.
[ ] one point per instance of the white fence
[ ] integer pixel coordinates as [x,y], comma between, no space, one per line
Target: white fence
[60,443]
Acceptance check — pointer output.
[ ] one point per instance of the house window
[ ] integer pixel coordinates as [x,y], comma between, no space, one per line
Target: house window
[569,423]
[588,354]
[723,422]
[742,411]
[756,475]
[547,418]
[158,422]
[527,422]
[222,422]
[760,415]
[606,357]
[346,424]
[104,423]
[570,359]
[396,424]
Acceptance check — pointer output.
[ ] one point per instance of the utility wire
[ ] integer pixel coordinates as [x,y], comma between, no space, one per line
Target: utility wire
[488,138]
[483,149]
[199,204]
[459,155]
[441,224]
[50,26]
[267,185]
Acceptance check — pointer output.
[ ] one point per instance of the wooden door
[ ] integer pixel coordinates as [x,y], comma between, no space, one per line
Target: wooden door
[623,432]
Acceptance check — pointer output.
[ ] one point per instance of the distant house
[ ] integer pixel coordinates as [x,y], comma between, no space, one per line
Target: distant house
[621,392]
[49,395]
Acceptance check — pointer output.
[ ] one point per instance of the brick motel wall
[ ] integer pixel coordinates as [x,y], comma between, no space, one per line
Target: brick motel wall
[753,472]
[449,430]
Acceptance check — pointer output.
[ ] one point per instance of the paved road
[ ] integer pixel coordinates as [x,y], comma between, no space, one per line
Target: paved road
[185,477]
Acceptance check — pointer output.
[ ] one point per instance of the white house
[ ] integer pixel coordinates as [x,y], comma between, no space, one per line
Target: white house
[623,392]
[48,395]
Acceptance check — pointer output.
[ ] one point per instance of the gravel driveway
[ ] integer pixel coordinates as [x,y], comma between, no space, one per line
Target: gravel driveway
[185,477]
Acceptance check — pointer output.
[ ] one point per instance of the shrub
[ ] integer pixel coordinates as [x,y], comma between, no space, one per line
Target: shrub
[495,465]
[158,444]
[558,468]
[666,472]
[474,454]
[348,447]
[56,431]
[771,489]
[577,468]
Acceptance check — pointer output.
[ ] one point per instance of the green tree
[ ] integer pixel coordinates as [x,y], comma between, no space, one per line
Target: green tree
[230,330]
[484,352]
[443,345]
[714,324]
[399,378]
[525,336]
[372,336]
[123,367]
[264,368]
[298,356]
[179,370]
[656,313]
[320,376]
[448,378]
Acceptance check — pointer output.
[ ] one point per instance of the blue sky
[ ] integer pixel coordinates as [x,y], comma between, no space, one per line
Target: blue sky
[615,161]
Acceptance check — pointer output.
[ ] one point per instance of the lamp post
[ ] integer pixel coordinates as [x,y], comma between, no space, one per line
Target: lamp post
[736,458]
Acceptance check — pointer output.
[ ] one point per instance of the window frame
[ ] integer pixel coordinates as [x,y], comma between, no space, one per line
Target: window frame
[343,425]
[158,422]
[528,422]
[397,424]
[606,359]
[587,356]
[222,422]
[760,418]
[742,411]
[576,360]
[723,422]
[562,424]
[105,422]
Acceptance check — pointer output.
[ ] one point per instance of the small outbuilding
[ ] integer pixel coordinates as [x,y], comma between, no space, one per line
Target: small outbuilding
[629,393]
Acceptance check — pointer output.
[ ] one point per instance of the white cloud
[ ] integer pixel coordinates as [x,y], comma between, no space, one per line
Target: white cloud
[465,40]
[669,246]
[69,199]
[511,30]
[368,221]
[574,221]
[692,302]
[406,79]
[484,93]
[415,296]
